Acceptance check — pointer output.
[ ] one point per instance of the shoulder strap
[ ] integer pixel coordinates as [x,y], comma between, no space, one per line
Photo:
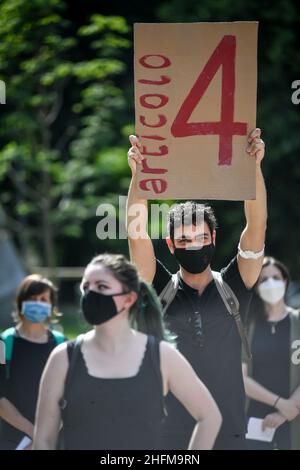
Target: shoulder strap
[72,363]
[58,336]
[8,338]
[2,352]
[233,307]
[155,356]
[168,293]
[228,296]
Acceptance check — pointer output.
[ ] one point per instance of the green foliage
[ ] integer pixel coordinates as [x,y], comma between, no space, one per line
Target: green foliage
[60,119]
[70,109]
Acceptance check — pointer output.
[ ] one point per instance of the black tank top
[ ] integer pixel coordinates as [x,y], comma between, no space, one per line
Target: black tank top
[119,413]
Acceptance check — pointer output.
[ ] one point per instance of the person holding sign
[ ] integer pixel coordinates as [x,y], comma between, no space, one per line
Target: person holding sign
[207,335]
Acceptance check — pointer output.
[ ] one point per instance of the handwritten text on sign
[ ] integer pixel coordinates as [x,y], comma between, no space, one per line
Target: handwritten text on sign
[182,160]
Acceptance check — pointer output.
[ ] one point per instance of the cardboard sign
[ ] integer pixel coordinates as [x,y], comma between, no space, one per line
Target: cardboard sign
[195,102]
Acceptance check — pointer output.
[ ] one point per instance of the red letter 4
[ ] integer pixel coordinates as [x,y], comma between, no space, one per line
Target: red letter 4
[223,55]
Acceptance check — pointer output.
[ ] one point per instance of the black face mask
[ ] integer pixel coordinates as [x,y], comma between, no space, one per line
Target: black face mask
[195,261]
[98,308]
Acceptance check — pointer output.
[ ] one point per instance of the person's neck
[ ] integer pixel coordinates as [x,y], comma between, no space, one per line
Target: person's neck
[197,281]
[275,312]
[32,331]
[113,336]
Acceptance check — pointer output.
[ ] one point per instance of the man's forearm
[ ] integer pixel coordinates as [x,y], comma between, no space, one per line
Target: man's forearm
[256,213]
[140,245]
[136,207]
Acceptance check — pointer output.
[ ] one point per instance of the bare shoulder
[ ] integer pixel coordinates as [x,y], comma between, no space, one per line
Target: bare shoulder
[54,374]
[170,355]
[59,351]
[167,349]
[58,358]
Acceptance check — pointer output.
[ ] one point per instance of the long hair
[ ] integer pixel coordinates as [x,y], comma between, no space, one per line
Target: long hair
[257,307]
[146,313]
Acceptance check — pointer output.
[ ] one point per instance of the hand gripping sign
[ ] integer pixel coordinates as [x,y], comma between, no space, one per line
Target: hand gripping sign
[195,102]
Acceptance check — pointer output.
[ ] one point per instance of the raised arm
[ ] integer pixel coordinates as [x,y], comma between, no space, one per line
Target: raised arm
[140,245]
[48,416]
[182,381]
[253,235]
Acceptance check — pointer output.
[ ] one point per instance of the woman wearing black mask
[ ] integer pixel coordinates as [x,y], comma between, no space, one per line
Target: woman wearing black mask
[123,368]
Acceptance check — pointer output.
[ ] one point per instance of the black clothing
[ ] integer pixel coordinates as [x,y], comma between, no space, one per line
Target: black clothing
[208,337]
[21,388]
[271,369]
[119,413]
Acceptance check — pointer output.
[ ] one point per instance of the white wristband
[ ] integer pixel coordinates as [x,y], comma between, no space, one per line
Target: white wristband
[250,254]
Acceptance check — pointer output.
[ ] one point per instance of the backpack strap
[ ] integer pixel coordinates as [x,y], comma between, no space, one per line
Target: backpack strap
[233,307]
[155,356]
[8,337]
[230,300]
[73,349]
[168,293]
[2,352]
[58,336]
[72,363]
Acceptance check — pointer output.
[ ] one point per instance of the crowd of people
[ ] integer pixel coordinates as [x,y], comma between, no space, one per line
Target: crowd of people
[167,363]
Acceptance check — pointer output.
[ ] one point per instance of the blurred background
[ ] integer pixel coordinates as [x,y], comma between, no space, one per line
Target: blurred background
[68,70]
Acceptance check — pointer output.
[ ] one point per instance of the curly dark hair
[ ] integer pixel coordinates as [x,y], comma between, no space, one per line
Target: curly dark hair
[192,212]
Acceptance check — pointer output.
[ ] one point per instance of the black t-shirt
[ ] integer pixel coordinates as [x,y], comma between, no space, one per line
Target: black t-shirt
[25,370]
[271,368]
[215,354]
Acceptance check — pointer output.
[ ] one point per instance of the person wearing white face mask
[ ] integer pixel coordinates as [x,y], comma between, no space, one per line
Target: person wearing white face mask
[272,378]
[272,291]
